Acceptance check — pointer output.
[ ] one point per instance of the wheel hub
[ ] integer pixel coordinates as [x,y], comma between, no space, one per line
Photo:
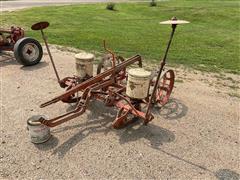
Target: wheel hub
[30,52]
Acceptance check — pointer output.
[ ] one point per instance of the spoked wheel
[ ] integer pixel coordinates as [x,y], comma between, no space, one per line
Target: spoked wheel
[106,63]
[28,51]
[165,87]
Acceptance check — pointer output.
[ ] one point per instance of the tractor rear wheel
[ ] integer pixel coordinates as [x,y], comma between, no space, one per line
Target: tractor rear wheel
[28,51]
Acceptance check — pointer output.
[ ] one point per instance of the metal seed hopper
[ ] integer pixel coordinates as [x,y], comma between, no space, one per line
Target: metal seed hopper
[133,93]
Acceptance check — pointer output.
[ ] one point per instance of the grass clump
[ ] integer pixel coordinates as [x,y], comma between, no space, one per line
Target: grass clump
[153,3]
[111,6]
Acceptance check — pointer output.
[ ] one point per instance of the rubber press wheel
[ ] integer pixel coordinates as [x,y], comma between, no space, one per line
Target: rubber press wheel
[28,51]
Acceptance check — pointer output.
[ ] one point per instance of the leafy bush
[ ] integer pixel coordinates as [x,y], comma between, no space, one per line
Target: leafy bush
[153,3]
[111,6]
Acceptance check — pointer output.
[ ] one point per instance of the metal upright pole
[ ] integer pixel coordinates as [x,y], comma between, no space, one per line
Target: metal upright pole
[160,71]
[50,55]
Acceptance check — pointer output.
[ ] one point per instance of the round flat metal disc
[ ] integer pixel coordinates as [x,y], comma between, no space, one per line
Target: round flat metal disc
[174,22]
[40,25]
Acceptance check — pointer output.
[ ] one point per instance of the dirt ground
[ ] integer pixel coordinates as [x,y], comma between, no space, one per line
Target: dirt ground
[196,135]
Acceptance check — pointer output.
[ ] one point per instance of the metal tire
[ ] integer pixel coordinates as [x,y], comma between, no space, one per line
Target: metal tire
[28,51]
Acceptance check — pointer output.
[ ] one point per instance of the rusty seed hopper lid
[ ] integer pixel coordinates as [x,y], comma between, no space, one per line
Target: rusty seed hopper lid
[139,73]
[40,25]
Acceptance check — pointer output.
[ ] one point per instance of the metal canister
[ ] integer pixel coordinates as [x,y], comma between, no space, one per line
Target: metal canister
[138,83]
[39,133]
[84,64]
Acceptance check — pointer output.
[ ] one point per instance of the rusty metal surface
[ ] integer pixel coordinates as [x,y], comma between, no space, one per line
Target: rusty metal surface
[109,87]
[40,25]
[165,87]
[27,51]
[9,37]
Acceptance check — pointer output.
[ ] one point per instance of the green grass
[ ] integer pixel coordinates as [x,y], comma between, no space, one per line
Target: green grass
[210,42]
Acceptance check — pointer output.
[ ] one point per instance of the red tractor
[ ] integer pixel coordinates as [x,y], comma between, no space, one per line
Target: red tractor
[27,51]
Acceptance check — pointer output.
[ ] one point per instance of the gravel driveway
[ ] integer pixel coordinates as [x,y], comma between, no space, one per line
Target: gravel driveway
[196,136]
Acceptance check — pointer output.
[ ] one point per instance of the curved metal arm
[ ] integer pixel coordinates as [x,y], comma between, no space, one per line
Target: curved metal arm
[5,31]
[111,52]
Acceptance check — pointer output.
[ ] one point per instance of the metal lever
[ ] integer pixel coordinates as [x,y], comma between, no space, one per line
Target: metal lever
[40,26]
[174,22]
[111,52]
